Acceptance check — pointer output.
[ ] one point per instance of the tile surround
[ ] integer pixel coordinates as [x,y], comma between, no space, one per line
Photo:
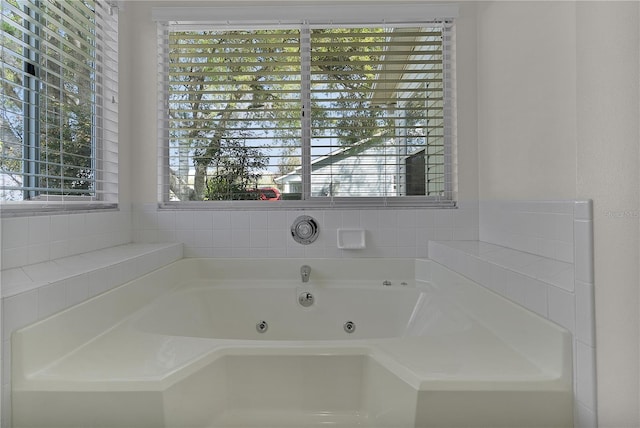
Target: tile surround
[544,249]
[544,228]
[526,261]
[389,232]
[38,239]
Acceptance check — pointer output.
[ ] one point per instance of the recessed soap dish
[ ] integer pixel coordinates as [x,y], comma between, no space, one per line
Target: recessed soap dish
[351,239]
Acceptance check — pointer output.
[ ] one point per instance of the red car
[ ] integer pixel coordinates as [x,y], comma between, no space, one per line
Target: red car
[269,194]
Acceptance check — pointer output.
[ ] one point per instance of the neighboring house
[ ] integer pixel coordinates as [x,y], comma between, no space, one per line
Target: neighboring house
[371,167]
[410,159]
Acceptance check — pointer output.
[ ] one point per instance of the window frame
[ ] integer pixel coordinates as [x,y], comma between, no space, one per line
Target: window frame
[103,114]
[322,16]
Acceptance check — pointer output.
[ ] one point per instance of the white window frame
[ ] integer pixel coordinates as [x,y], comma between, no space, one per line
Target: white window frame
[307,16]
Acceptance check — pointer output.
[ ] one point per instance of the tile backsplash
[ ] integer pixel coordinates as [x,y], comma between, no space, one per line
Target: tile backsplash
[544,228]
[539,254]
[36,239]
[388,232]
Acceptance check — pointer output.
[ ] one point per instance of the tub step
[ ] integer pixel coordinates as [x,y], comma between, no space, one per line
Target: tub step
[284,390]
[248,418]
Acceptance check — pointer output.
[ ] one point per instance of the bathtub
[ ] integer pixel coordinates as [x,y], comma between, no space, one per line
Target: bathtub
[246,343]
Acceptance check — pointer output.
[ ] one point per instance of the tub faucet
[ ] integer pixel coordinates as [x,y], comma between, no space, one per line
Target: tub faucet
[305,272]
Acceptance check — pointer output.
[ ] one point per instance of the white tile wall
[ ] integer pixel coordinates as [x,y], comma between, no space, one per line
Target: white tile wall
[544,228]
[38,239]
[526,253]
[389,232]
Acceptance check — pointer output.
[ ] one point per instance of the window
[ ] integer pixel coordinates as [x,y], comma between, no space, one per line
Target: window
[58,107]
[323,113]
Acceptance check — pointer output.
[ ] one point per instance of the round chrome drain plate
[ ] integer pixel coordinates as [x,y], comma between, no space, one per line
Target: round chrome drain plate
[305,229]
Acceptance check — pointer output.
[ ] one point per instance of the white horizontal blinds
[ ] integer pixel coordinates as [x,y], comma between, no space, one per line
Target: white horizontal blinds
[315,110]
[106,102]
[378,112]
[59,113]
[14,85]
[233,111]
[449,105]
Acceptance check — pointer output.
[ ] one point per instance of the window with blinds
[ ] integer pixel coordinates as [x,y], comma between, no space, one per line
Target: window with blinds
[58,110]
[308,113]
[234,119]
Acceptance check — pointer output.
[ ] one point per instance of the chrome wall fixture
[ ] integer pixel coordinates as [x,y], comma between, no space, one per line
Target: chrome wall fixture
[305,229]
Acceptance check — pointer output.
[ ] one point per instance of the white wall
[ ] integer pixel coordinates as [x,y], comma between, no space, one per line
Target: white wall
[608,165]
[558,108]
[527,100]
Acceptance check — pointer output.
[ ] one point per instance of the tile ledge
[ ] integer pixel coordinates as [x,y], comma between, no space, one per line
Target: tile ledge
[556,272]
[26,278]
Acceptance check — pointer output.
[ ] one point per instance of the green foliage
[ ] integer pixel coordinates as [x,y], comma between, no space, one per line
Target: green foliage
[11,126]
[347,58]
[9,160]
[67,150]
[236,169]
[228,86]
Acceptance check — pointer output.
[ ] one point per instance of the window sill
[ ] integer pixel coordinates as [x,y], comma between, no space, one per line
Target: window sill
[37,209]
[319,203]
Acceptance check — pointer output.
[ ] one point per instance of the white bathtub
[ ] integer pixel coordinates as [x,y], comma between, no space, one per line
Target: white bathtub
[180,347]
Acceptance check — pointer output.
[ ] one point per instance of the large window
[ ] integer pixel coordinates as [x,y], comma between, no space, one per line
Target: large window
[58,103]
[307,112]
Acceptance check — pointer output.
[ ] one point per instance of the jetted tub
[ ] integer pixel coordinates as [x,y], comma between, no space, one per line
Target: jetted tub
[249,312]
[245,343]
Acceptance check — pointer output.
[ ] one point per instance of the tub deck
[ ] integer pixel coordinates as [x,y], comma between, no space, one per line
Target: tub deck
[452,367]
[474,358]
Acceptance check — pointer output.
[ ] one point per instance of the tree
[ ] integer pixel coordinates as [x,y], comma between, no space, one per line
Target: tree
[229,92]
[236,170]
[232,89]
[66,102]
[347,60]
[11,126]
